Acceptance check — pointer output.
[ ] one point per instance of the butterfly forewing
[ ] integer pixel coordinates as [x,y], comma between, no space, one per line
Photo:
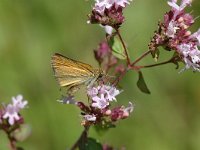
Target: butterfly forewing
[69,72]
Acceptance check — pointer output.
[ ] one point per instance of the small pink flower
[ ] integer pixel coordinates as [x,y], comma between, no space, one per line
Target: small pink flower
[91,118]
[112,92]
[191,56]
[18,103]
[196,35]
[100,102]
[11,114]
[12,110]
[172,28]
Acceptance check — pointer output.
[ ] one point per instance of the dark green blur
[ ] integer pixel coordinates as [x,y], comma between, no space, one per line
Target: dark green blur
[32,30]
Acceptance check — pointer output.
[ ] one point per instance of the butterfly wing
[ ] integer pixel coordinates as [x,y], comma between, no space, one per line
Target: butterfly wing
[69,72]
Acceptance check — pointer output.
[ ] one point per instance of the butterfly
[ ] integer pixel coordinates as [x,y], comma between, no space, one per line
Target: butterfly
[71,73]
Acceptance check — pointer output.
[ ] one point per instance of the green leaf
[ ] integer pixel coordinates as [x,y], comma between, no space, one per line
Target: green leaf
[91,144]
[141,84]
[117,48]
[155,54]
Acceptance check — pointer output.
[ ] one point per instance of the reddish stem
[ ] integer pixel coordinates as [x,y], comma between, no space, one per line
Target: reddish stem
[159,64]
[141,57]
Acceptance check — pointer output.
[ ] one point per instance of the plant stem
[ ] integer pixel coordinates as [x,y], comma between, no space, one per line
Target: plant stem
[141,57]
[154,65]
[12,142]
[82,138]
[124,46]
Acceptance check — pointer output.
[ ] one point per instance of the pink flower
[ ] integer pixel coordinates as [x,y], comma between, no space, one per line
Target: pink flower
[102,95]
[191,56]
[11,114]
[18,103]
[196,35]
[178,8]
[12,110]
[91,118]
[100,102]
[101,5]
[172,28]
[121,112]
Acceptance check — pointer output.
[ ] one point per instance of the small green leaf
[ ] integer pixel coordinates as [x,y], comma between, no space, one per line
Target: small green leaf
[117,48]
[91,144]
[155,54]
[141,84]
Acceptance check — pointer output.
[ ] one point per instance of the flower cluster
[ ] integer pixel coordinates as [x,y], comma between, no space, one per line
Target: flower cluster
[108,12]
[12,123]
[99,111]
[10,114]
[174,34]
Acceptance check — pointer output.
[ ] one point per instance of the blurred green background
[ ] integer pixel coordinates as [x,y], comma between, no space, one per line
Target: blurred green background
[32,30]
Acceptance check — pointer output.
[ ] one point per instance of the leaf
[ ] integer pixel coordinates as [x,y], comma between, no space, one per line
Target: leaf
[117,48]
[91,144]
[141,84]
[155,54]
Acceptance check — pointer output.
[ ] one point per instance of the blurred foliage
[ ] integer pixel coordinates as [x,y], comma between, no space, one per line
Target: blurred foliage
[31,31]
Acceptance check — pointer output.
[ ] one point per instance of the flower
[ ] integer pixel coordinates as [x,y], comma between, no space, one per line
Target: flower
[90,117]
[108,12]
[121,112]
[191,56]
[178,8]
[101,5]
[11,114]
[100,102]
[172,28]
[18,103]
[111,93]
[102,95]
[196,36]
[12,110]
[102,51]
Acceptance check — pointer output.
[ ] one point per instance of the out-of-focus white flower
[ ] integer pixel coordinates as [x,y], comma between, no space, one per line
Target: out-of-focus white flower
[90,117]
[11,114]
[18,103]
[12,110]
